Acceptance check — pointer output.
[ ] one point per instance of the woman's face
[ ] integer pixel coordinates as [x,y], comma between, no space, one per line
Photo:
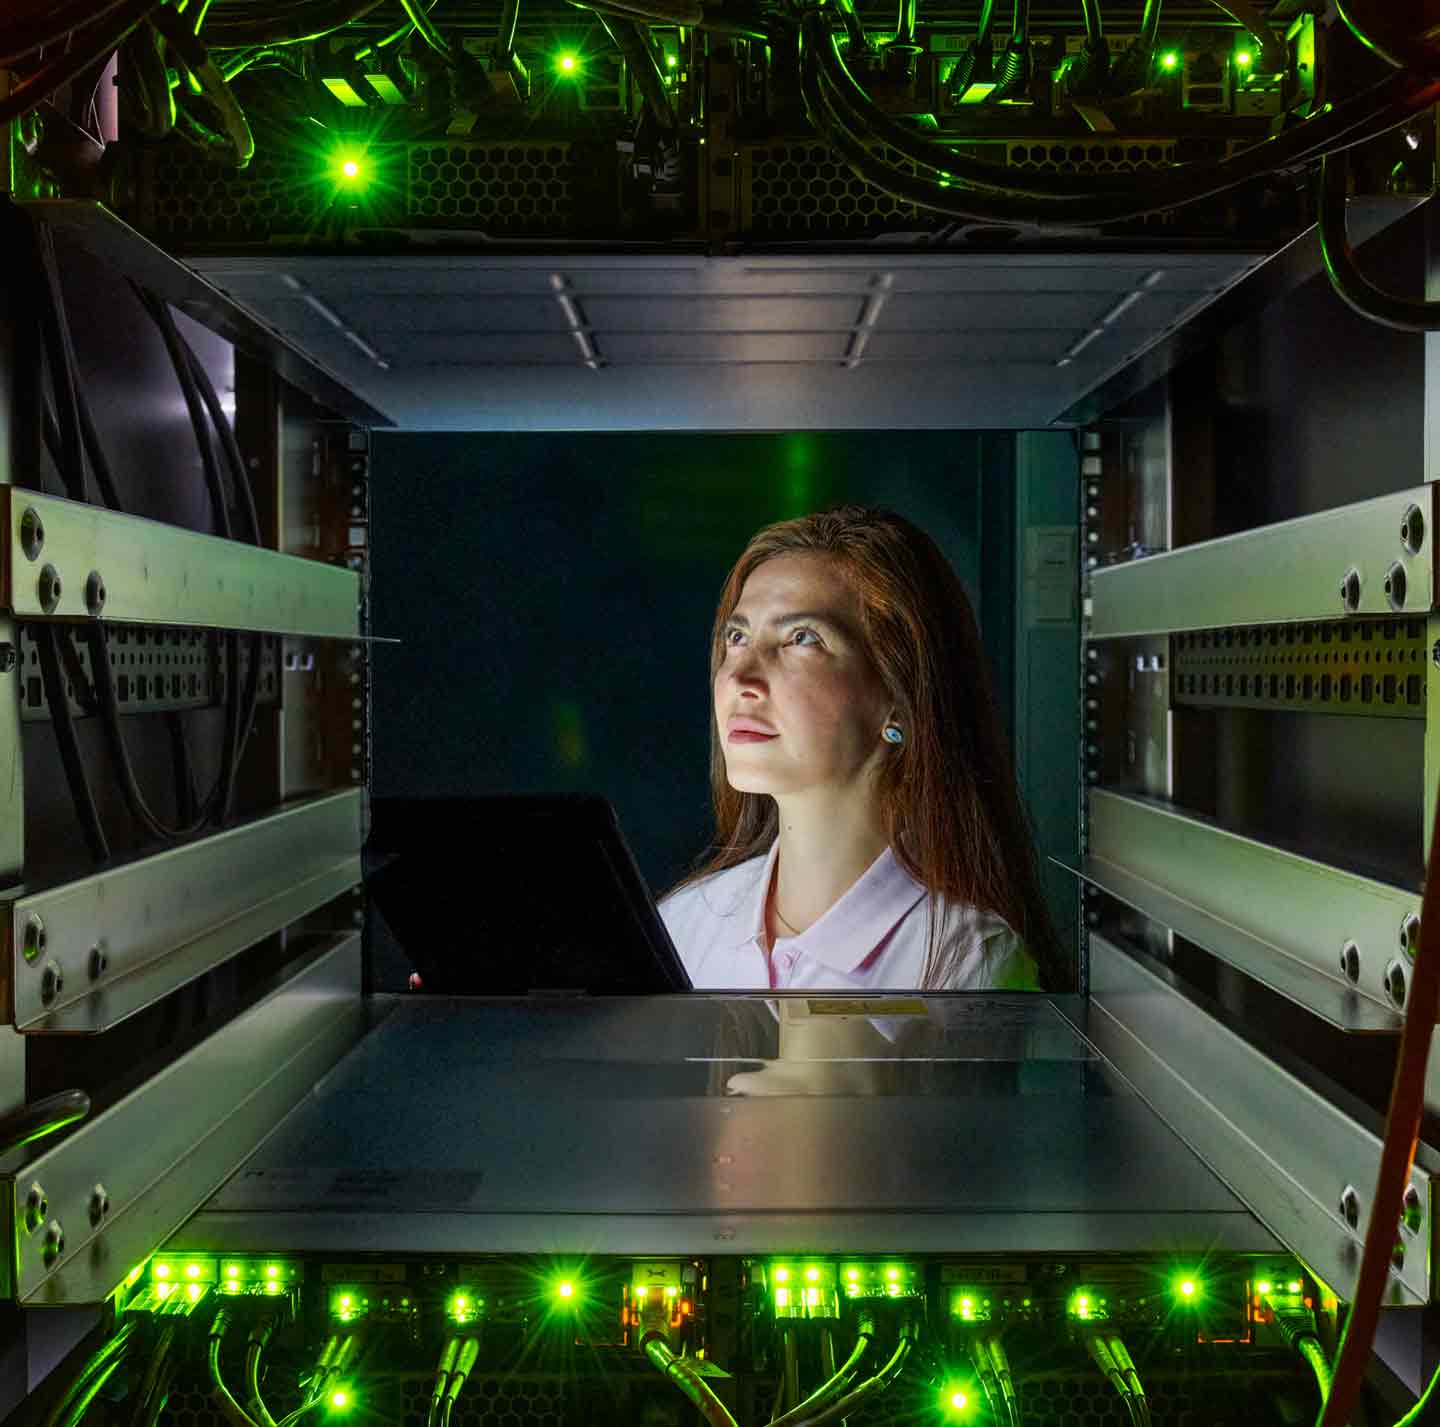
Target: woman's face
[795,661]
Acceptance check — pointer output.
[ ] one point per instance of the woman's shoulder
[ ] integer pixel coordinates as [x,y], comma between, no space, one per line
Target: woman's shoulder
[990,953]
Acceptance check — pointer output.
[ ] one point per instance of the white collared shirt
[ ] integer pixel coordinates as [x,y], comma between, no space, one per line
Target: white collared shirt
[874,938]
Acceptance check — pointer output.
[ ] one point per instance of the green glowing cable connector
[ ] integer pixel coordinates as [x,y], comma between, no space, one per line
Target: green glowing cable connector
[971,1306]
[347,1304]
[1087,1306]
[464,1307]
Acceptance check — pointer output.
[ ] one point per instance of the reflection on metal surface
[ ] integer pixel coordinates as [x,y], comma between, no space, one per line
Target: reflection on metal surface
[126,937]
[163,1149]
[98,230]
[987,1122]
[1283,1149]
[162,574]
[1294,570]
[1280,917]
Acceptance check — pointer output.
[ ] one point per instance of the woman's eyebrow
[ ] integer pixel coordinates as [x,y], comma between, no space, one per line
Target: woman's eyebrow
[818,616]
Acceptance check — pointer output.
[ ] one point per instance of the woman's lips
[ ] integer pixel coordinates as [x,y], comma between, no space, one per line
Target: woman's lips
[744,735]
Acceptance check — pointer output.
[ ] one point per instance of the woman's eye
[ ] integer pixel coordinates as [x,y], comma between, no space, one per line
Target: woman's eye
[804,630]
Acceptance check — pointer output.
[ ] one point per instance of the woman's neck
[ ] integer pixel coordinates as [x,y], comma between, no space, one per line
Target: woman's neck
[823,853]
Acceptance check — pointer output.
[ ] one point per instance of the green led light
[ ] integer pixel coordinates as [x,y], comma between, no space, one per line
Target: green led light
[671,62]
[272,1271]
[1244,58]
[812,1275]
[892,1274]
[672,1292]
[1264,1286]
[162,1290]
[1170,60]
[967,1307]
[852,1274]
[1188,1289]
[568,63]
[232,1270]
[1294,1286]
[782,1275]
[566,1289]
[194,1290]
[958,1401]
[162,1270]
[782,1297]
[192,1270]
[642,1293]
[340,1399]
[272,1288]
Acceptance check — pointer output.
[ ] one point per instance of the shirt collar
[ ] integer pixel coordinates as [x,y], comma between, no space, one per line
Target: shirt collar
[849,931]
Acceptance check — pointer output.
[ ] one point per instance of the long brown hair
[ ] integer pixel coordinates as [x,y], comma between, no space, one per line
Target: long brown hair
[951,808]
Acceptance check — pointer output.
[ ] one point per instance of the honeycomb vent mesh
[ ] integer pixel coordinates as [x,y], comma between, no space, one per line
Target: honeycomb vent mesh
[798,187]
[1107,156]
[509,185]
[195,197]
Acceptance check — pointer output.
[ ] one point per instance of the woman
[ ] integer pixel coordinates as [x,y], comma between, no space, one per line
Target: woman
[869,832]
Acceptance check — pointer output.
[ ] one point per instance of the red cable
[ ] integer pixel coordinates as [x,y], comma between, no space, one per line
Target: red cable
[1397,1154]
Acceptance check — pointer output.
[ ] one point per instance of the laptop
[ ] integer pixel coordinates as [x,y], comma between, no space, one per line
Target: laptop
[518,895]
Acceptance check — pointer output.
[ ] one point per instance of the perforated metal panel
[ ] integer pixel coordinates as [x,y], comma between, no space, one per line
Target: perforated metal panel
[192,197]
[805,188]
[1374,667]
[505,185]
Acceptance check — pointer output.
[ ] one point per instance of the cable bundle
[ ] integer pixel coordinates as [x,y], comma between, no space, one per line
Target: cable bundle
[75,446]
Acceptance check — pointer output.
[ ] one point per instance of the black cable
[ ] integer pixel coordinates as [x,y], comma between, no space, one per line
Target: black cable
[80,56]
[294,29]
[154,1379]
[55,334]
[160,315]
[905,22]
[1354,288]
[838,115]
[629,39]
[1166,188]
[68,743]
[196,58]
[505,40]
[106,1358]
[854,30]
[22,38]
[1363,31]
[260,1336]
[837,1385]
[425,28]
[149,102]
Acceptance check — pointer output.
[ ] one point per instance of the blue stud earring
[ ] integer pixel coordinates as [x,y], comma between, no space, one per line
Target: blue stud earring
[893,734]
